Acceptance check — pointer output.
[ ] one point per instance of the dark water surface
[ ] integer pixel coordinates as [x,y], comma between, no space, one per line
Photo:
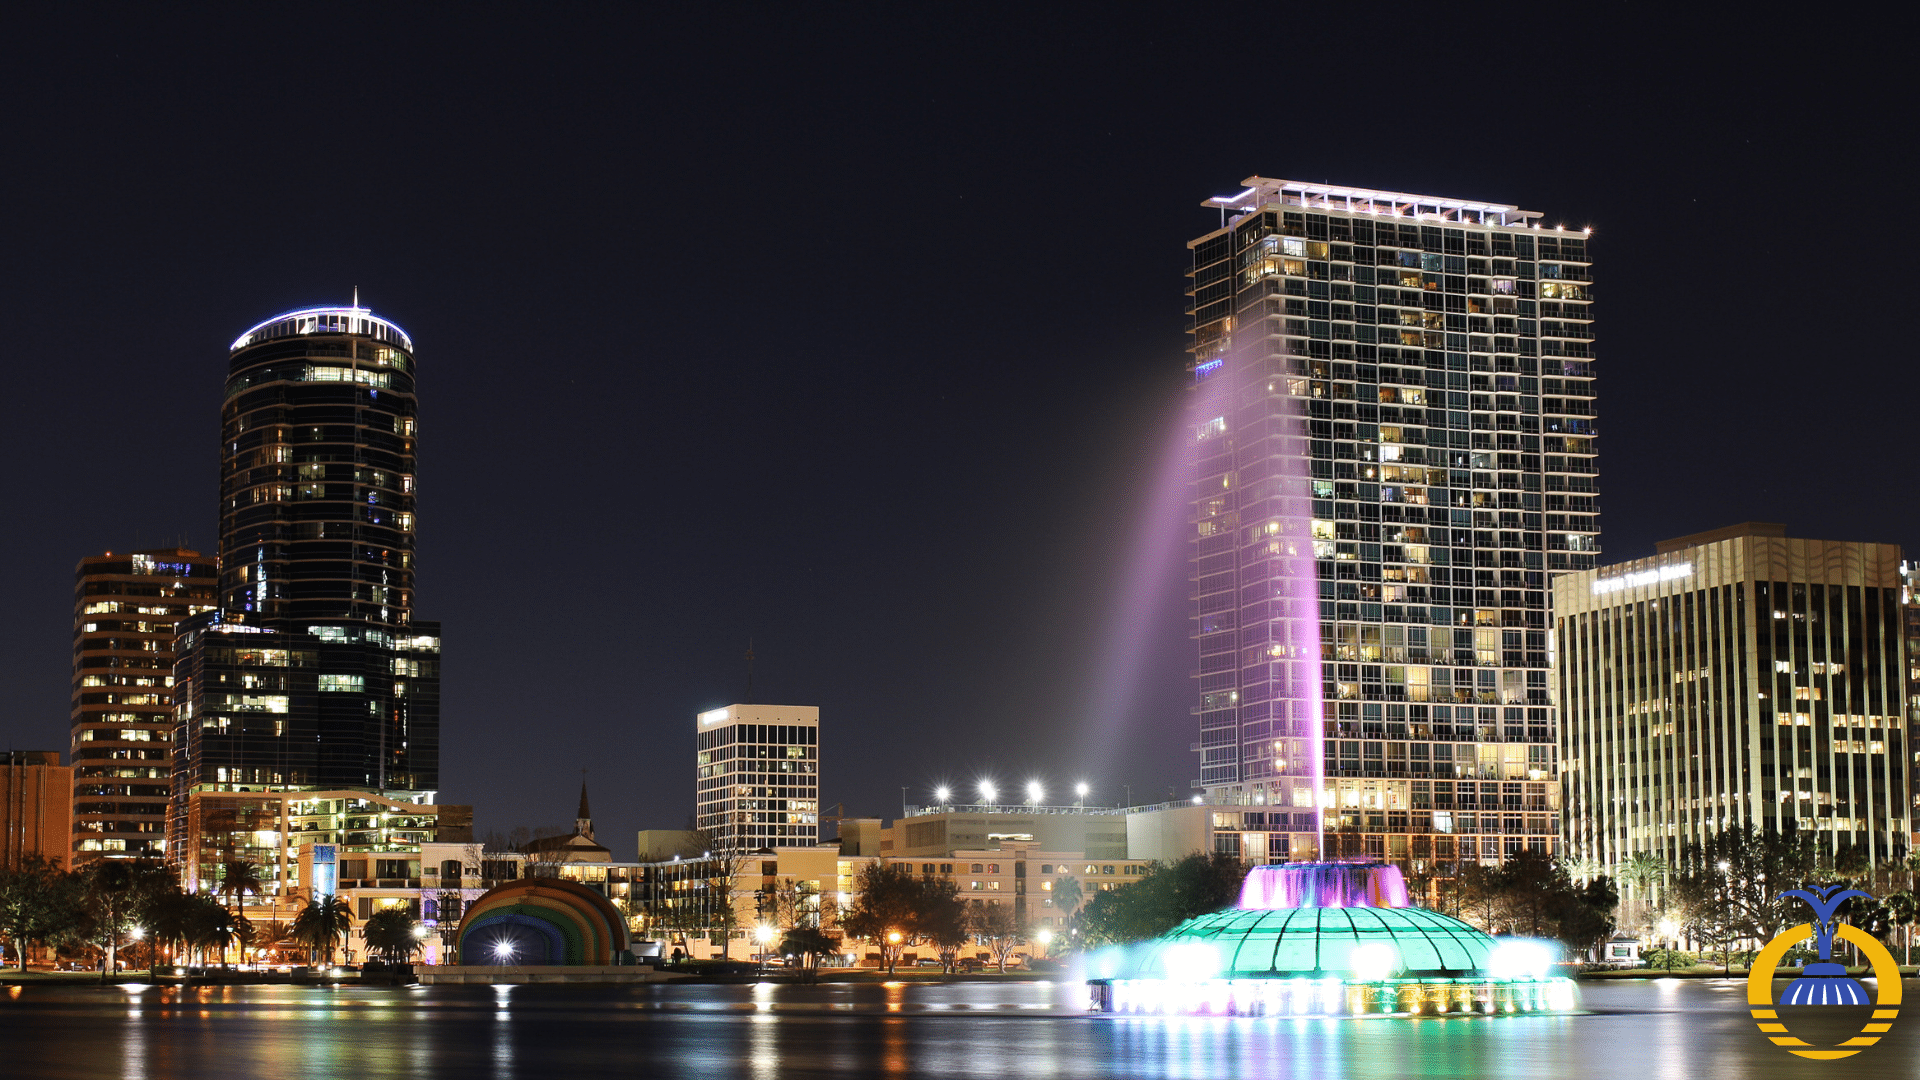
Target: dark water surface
[1646,1030]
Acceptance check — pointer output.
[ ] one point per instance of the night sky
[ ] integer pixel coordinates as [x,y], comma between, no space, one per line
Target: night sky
[858,335]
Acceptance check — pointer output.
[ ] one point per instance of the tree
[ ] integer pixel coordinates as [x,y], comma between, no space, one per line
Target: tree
[112,891]
[1165,896]
[1584,919]
[795,904]
[321,924]
[391,934]
[1530,891]
[1068,896]
[1903,908]
[170,923]
[999,929]
[1729,886]
[1474,895]
[270,935]
[238,877]
[1641,872]
[809,944]
[720,914]
[36,904]
[886,910]
[942,920]
[212,926]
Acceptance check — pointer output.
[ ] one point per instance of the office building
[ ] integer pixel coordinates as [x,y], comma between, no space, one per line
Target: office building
[126,610]
[1910,602]
[758,776]
[1737,677]
[1394,450]
[313,674]
[36,807]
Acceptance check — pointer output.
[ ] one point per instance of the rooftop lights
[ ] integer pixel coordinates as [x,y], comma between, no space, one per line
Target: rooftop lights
[1035,793]
[942,793]
[987,791]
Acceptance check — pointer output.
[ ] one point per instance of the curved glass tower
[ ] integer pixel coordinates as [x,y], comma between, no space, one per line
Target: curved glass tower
[317,468]
[312,675]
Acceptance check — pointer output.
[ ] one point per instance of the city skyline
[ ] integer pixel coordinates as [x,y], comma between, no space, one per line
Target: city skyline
[637,468]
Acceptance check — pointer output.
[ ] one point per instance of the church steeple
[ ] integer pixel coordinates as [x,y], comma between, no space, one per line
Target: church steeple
[583,822]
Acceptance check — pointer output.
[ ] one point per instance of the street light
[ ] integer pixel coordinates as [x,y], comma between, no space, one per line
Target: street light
[942,793]
[1035,793]
[987,792]
[1045,937]
[1080,792]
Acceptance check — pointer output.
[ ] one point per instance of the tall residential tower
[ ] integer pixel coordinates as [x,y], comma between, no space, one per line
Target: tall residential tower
[1394,449]
[126,610]
[313,673]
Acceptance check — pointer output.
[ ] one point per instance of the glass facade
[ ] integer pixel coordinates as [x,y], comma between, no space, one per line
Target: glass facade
[126,610]
[1394,450]
[313,674]
[317,478]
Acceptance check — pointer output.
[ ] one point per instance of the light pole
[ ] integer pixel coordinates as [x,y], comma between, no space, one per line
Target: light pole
[764,935]
[1080,791]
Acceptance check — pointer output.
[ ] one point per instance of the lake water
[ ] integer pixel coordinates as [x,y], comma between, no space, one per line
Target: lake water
[1645,1030]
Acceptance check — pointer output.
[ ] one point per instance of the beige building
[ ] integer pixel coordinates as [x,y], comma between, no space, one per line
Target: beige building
[1736,677]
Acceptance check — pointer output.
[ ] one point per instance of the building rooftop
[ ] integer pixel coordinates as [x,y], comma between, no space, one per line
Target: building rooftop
[1260,191]
[1714,536]
[324,320]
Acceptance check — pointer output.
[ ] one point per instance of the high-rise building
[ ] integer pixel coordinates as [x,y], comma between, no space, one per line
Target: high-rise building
[36,807]
[313,673]
[126,609]
[758,776]
[1737,677]
[1394,449]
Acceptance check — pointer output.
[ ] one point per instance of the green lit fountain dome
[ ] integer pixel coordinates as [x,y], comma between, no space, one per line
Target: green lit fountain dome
[1314,920]
[1317,942]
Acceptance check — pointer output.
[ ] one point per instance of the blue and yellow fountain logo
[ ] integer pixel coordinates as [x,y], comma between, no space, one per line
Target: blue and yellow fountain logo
[1824,983]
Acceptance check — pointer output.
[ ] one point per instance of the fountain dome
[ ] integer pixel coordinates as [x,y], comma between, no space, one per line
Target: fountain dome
[1327,938]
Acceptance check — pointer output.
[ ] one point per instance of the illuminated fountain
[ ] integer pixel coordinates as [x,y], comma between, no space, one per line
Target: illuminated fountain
[1320,939]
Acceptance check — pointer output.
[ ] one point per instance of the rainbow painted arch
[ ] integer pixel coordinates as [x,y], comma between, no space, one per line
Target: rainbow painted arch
[543,921]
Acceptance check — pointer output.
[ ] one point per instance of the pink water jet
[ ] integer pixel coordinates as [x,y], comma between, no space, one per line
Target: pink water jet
[1324,885]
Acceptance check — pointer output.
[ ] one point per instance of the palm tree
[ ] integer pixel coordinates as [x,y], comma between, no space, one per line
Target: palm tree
[1643,870]
[169,923]
[1903,908]
[210,925]
[321,924]
[269,935]
[1067,896]
[392,933]
[239,877]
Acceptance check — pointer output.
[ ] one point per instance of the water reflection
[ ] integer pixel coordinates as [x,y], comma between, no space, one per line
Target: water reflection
[1646,1030]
